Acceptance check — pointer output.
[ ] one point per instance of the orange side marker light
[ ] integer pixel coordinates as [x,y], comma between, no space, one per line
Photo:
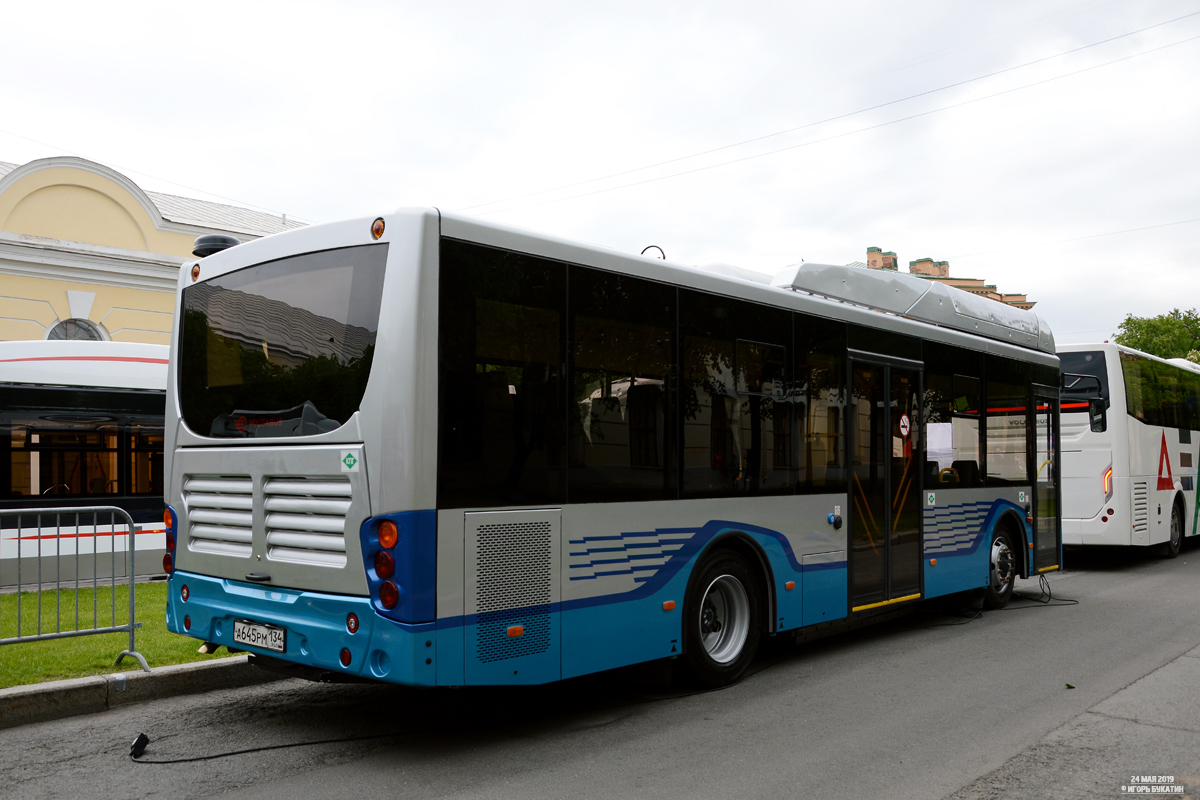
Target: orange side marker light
[515,631]
[933,562]
[669,605]
[790,585]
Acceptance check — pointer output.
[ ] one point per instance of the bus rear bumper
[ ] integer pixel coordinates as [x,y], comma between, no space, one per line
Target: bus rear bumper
[316,627]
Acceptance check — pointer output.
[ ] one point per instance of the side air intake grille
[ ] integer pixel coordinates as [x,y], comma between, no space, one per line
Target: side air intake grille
[513,569]
[219,513]
[512,584]
[306,519]
[1141,509]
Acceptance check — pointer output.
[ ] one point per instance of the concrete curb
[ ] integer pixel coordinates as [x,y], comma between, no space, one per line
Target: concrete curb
[41,702]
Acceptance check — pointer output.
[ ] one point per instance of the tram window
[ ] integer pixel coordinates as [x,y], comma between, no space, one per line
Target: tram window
[1007,422]
[502,437]
[734,364]
[620,409]
[819,396]
[952,417]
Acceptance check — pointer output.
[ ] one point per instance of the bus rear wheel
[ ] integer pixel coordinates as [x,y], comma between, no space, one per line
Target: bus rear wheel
[722,620]
[1170,548]
[1002,570]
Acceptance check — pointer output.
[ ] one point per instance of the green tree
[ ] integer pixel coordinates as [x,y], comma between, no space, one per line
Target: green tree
[1172,335]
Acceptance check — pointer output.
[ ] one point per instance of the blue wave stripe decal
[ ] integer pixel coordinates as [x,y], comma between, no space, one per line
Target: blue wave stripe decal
[958,529]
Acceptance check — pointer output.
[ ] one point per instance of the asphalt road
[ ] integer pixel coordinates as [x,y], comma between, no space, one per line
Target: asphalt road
[922,707]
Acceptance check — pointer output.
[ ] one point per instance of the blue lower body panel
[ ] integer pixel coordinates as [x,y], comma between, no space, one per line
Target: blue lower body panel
[315,625]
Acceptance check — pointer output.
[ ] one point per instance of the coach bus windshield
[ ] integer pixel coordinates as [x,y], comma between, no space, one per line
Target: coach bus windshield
[282,348]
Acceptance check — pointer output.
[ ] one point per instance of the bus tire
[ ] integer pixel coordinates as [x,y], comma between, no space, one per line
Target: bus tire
[1170,548]
[1002,570]
[722,620]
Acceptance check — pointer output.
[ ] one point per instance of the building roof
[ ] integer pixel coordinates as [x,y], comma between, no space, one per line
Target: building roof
[189,211]
[206,214]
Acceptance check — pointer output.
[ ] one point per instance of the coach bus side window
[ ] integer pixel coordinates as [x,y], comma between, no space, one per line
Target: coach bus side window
[620,408]
[1007,423]
[819,394]
[735,360]
[502,320]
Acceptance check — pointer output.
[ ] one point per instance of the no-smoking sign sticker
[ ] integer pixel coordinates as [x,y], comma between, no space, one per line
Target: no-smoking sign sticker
[905,425]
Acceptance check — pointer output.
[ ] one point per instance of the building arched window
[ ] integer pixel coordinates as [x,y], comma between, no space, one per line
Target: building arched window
[77,329]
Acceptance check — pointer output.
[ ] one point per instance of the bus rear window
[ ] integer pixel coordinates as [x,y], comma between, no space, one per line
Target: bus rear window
[282,348]
[1083,363]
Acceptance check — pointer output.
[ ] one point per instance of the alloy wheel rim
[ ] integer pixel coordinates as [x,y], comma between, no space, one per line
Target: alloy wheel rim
[724,619]
[1003,566]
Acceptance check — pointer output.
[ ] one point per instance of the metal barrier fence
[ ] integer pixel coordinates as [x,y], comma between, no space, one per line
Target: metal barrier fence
[54,557]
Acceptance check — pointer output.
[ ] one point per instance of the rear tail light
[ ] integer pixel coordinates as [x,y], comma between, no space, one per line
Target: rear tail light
[1108,487]
[344,657]
[385,565]
[187,623]
[171,541]
[352,622]
[184,593]
[389,594]
[168,563]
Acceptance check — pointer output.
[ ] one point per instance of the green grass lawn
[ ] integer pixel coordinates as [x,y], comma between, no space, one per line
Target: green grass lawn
[76,657]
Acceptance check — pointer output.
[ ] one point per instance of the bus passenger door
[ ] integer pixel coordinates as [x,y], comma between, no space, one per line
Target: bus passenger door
[884,502]
[1047,529]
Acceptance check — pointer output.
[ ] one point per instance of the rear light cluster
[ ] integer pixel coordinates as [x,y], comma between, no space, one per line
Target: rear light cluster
[169,519]
[385,564]
[1108,485]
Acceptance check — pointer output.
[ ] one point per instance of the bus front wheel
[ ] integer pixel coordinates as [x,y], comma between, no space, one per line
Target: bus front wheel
[1002,571]
[722,616]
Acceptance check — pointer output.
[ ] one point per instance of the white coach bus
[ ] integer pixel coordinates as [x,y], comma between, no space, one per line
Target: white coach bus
[1129,465]
[81,424]
[426,449]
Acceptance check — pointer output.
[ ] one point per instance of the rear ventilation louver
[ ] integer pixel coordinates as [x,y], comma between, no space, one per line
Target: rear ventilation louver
[306,520]
[220,509]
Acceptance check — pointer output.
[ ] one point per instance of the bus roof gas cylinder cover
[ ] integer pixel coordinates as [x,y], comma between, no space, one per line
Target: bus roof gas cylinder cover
[211,243]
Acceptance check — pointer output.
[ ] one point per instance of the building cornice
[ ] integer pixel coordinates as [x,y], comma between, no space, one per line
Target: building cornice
[37,257]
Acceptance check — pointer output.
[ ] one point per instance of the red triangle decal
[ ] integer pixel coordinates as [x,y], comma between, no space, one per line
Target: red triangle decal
[1165,458]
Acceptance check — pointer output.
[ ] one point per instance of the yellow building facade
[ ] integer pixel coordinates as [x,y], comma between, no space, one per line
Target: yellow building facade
[86,253]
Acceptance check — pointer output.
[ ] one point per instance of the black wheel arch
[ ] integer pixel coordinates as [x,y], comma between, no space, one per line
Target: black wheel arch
[1015,525]
[744,545]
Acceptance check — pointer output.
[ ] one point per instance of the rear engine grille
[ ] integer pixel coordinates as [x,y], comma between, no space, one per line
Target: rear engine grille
[306,519]
[1141,508]
[514,565]
[219,509]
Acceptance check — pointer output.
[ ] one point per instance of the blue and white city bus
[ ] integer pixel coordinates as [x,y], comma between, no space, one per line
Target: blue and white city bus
[436,451]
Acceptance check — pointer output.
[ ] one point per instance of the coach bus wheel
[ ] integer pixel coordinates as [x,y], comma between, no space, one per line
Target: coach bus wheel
[1002,571]
[721,620]
[1171,547]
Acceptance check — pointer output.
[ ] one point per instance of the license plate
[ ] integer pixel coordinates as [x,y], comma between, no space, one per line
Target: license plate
[267,637]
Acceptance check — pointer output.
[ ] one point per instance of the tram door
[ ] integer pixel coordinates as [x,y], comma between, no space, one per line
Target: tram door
[1047,530]
[885,484]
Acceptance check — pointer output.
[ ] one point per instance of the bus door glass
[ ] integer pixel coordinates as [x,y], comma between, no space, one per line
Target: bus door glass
[1047,535]
[884,508]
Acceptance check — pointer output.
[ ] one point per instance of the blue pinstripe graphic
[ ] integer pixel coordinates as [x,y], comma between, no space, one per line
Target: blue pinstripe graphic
[959,528]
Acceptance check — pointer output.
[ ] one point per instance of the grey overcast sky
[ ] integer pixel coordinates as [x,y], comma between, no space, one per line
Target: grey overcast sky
[1048,146]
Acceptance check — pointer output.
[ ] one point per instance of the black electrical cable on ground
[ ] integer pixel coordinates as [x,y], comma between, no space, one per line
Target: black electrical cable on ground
[137,760]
